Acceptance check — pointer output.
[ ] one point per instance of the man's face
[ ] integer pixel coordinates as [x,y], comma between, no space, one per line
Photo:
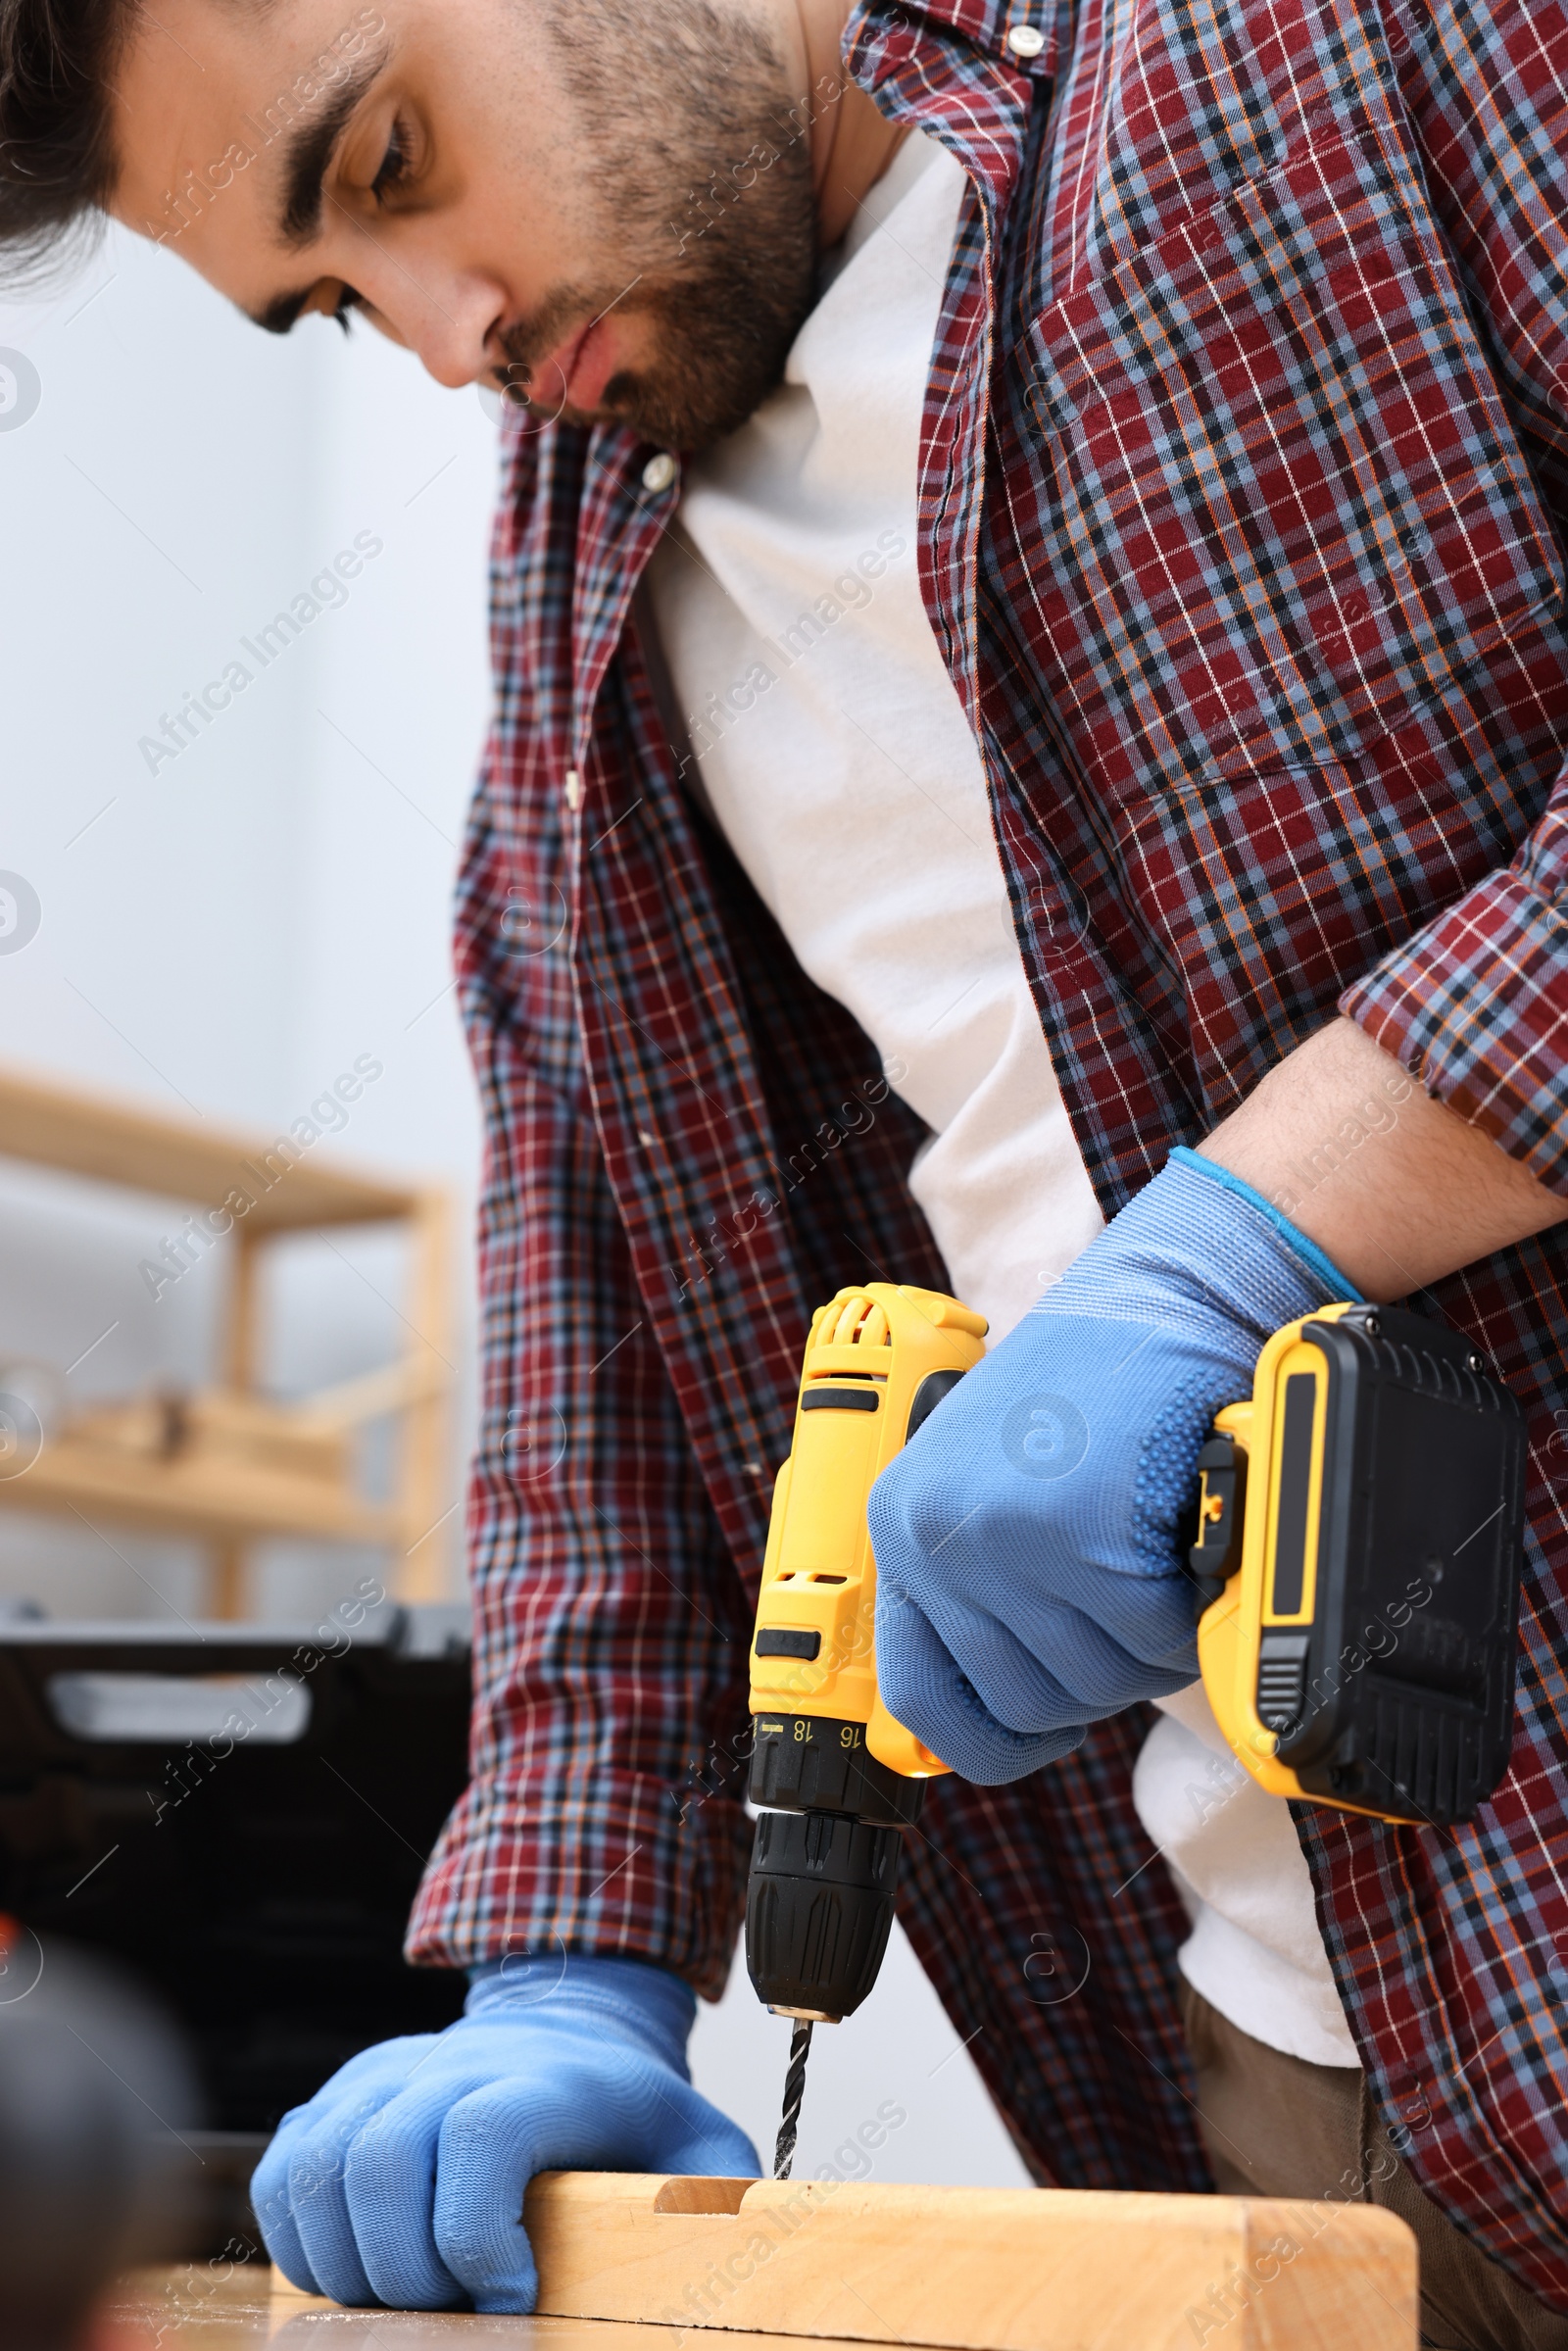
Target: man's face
[603,206]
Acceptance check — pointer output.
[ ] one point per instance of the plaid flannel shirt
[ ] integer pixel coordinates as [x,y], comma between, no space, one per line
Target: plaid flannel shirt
[1244,467]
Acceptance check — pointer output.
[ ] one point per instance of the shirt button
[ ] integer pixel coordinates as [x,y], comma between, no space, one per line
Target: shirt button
[659,471]
[1025,40]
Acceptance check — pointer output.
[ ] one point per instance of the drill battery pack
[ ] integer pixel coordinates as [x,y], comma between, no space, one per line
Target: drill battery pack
[1359,1544]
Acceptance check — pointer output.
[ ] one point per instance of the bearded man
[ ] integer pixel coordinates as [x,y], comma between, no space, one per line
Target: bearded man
[1031,702]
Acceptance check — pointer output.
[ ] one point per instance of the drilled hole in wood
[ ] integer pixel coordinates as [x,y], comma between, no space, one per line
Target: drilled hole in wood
[702,2195]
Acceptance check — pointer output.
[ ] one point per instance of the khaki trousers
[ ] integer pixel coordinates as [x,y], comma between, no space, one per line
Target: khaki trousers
[1275,2125]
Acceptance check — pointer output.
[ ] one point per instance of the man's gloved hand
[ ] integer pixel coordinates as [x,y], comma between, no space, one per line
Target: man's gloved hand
[1028,1576]
[402,2180]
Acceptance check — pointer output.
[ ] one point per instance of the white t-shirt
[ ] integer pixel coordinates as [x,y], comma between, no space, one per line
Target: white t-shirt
[837,759]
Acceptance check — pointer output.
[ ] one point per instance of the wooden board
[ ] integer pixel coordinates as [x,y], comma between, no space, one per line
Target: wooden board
[974,2269]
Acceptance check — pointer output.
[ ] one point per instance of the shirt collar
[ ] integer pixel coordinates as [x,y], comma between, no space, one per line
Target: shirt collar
[1002,30]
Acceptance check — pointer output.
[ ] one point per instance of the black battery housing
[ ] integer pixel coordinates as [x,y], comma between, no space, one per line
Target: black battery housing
[1399,1698]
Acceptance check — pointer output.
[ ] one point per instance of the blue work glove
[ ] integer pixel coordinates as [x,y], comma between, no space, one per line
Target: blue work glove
[1028,1574]
[402,2180]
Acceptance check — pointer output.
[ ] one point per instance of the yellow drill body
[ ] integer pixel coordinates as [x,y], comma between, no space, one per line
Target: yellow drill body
[870,1353]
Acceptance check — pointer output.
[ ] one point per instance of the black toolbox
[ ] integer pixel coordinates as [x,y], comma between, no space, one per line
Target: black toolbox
[238,1815]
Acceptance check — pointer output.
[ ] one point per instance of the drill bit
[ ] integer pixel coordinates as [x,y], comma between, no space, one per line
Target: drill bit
[794,2092]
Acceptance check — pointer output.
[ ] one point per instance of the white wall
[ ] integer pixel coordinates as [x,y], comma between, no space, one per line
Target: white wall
[222,937]
[224,931]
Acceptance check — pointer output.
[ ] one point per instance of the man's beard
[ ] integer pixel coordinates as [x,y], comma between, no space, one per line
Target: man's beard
[703,158]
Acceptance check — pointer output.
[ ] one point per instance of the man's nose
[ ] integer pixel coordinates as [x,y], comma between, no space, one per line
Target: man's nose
[443,317]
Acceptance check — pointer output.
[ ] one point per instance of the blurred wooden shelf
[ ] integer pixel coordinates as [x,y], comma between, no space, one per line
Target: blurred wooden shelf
[137,1149]
[225,1463]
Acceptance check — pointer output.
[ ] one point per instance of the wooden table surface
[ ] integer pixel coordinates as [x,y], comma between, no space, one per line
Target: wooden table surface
[200,2308]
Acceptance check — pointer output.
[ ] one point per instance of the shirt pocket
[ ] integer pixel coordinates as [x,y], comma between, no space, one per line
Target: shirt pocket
[1290,502]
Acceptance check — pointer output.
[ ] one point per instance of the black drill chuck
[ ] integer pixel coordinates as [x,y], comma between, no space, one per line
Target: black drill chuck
[818,1911]
[824,1865]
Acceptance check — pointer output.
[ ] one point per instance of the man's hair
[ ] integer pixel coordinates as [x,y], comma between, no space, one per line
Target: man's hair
[57,160]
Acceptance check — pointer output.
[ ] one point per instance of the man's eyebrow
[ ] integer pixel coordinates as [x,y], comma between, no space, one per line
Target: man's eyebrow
[312,145]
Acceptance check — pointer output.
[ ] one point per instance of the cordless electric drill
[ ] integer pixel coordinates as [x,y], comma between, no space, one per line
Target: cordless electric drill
[1356,1550]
